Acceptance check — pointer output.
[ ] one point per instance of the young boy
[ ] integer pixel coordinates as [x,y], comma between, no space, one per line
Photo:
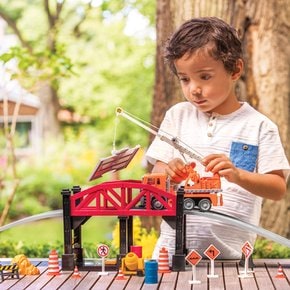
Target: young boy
[237,142]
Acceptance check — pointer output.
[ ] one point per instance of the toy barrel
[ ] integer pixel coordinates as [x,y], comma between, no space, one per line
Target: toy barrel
[137,250]
[151,272]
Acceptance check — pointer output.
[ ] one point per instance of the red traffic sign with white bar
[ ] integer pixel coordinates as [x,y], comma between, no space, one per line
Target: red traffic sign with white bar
[193,258]
[212,252]
[247,249]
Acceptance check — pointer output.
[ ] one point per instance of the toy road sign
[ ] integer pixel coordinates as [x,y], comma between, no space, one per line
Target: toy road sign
[247,249]
[103,250]
[193,258]
[212,252]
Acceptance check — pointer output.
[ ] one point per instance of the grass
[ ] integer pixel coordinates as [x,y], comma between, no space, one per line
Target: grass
[96,229]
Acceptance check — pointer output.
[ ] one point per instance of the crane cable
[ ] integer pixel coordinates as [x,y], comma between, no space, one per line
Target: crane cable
[174,141]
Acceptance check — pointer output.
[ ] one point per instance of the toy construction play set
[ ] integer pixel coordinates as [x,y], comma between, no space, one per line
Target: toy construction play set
[153,195]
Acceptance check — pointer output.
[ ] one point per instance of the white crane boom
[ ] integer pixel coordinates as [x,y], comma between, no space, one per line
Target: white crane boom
[174,141]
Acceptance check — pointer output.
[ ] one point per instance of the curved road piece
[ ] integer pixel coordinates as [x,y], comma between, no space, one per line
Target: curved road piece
[242,225]
[209,214]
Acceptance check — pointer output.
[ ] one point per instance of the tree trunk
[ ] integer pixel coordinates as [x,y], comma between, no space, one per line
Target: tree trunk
[48,110]
[271,72]
[166,91]
[264,28]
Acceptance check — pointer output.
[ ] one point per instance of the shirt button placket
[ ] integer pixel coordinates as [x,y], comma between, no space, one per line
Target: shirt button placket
[211,126]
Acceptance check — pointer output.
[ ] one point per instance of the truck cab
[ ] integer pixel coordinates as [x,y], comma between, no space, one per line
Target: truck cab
[158,180]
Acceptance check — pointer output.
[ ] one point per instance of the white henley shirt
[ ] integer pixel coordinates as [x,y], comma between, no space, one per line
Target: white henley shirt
[252,142]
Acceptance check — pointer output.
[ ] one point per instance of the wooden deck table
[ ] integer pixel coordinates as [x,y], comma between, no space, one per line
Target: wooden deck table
[264,277]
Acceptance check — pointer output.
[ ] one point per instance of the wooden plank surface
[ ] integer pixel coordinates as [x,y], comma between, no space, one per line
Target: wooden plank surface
[218,282]
[263,277]
[168,280]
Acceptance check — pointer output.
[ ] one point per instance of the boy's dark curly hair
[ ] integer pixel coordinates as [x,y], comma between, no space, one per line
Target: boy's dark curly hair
[213,33]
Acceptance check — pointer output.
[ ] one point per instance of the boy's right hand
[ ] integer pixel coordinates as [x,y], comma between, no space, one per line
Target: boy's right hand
[176,170]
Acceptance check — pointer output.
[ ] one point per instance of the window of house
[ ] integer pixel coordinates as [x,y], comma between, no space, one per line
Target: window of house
[23,134]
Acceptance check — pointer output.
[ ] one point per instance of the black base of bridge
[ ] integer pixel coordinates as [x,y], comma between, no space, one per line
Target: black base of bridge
[179,224]
[67,262]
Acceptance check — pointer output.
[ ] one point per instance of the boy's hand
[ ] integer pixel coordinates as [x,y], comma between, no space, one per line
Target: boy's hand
[176,170]
[221,164]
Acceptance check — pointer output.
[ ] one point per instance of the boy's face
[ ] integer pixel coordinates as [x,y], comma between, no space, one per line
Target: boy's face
[206,84]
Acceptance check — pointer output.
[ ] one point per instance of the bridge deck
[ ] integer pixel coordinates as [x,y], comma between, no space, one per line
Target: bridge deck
[264,277]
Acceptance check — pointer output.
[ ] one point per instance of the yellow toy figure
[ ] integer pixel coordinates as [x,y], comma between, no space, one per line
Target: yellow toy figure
[25,267]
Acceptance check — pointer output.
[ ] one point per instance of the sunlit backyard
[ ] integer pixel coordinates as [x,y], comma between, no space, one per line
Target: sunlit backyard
[63,75]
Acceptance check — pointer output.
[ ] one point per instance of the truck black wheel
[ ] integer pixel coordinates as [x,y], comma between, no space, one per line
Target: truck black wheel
[204,204]
[188,204]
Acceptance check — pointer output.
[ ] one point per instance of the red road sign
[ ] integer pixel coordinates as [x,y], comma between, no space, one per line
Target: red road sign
[247,249]
[212,252]
[193,258]
[103,250]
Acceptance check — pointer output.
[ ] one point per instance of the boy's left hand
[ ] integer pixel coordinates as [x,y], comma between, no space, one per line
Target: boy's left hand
[221,164]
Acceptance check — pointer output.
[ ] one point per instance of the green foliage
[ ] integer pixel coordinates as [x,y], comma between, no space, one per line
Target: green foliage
[110,67]
[25,239]
[263,248]
[39,66]
[123,77]
[14,13]
[42,179]
[40,247]
[26,206]
[268,249]
[10,249]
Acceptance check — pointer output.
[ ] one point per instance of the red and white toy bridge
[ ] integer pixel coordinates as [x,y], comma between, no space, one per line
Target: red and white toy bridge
[116,198]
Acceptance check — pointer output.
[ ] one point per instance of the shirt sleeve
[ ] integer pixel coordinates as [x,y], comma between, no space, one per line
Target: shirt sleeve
[271,152]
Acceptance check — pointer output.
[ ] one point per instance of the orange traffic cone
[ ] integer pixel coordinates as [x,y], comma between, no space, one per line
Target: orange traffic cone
[120,276]
[280,273]
[163,261]
[76,273]
[53,267]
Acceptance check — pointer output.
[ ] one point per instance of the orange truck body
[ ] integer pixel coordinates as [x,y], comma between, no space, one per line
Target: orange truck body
[196,188]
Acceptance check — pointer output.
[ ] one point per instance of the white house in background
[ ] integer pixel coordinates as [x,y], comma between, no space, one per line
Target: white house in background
[28,134]
[28,123]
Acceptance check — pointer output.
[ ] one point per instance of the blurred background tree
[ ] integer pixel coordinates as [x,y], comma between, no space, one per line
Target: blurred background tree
[84,56]
[83,59]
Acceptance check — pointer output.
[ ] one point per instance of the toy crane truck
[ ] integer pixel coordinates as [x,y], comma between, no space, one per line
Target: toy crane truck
[199,192]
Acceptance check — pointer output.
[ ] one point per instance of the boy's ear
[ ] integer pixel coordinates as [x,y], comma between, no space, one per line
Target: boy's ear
[238,71]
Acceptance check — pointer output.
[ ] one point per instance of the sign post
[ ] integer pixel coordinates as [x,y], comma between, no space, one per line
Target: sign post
[103,251]
[247,250]
[212,252]
[193,258]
